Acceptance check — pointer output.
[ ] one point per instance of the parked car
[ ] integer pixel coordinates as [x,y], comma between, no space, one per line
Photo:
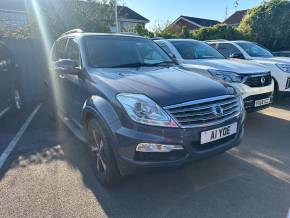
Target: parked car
[253,81]
[279,66]
[135,108]
[10,90]
[281,53]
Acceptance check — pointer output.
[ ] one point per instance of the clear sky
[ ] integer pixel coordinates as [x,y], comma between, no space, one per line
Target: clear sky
[160,11]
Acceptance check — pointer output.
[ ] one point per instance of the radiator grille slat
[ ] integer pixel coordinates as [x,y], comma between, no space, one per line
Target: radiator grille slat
[259,80]
[201,113]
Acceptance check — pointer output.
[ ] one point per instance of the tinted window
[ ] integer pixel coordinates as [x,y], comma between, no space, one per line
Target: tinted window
[72,51]
[255,50]
[119,51]
[59,50]
[196,50]
[228,49]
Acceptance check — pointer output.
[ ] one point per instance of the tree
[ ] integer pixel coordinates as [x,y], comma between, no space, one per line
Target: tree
[219,31]
[269,24]
[142,31]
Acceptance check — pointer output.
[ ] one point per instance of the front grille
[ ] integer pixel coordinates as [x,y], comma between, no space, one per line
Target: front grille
[288,84]
[203,112]
[259,80]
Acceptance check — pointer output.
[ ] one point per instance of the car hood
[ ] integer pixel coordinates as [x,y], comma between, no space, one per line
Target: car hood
[273,60]
[237,66]
[166,86]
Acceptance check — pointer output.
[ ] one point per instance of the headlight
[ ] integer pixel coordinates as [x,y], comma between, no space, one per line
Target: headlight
[226,76]
[284,67]
[143,110]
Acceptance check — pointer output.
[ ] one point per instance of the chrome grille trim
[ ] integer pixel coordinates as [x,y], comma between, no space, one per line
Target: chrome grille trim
[255,80]
[199,113]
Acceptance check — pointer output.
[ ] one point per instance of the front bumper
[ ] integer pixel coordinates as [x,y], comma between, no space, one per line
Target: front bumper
[251,94]
[130,161]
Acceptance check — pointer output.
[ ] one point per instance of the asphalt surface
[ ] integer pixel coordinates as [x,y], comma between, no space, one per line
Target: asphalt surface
[49,175]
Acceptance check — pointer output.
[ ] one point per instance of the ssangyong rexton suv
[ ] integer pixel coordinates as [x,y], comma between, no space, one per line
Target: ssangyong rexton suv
[134,107]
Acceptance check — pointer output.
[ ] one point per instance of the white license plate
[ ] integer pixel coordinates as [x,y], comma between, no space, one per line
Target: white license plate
[219,133]
[262,102]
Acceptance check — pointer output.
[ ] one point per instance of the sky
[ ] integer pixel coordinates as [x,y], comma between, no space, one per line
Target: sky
[161,11]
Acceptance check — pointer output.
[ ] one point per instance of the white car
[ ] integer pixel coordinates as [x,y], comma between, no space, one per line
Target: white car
[252,80]
[279,66]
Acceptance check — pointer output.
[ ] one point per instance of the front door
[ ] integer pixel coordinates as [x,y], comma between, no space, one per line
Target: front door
[6,82]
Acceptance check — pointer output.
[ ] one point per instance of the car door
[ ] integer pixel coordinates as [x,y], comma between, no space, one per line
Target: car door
[75,84]
[6,82]
[56,78]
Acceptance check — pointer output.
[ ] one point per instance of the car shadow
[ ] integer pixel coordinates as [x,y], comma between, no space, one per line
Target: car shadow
[231,183]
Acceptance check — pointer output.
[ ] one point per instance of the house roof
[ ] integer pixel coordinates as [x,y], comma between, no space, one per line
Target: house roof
[237,17]
[128,14]
[198,21]
[15,5]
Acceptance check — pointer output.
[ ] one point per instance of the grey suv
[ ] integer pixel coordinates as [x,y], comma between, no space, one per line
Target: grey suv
[135,108]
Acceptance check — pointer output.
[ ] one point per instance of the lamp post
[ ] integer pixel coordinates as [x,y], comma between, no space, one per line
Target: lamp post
[116,17]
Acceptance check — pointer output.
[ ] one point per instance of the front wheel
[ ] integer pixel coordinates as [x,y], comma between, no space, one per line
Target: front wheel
[104,162]
[17,100]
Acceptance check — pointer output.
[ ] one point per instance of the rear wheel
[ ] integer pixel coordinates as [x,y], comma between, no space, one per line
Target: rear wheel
[104,162]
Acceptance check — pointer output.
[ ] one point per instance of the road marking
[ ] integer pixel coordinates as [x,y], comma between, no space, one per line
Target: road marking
[16,138]
[4,111]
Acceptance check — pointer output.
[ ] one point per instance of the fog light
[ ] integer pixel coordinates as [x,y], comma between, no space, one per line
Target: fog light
[149,147]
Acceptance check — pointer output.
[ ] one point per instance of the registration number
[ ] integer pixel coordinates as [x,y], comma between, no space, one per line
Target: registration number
[262,102]
[219,133]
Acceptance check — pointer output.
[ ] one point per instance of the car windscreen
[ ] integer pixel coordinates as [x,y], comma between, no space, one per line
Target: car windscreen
[113,51]
[196,50]
[255,50]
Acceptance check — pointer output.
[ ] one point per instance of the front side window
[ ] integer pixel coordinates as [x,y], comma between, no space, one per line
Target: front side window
[196,50]
[112,51]
[255,50]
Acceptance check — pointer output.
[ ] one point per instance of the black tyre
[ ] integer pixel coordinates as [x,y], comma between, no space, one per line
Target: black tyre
[276,95]
[18,102]
[104,163]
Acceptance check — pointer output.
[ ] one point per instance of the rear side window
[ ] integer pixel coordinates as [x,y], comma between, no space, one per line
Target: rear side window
[228,49]
[73,51]
[59,50]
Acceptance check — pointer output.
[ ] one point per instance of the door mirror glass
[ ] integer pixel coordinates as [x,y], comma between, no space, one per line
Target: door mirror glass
[67,66]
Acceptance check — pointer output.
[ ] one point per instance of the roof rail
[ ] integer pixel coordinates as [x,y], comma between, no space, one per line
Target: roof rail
[214,40]
[157,38]
[72,31]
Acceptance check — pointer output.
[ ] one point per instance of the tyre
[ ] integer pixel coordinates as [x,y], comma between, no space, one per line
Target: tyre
[276,91]
[104,163]
[18,102]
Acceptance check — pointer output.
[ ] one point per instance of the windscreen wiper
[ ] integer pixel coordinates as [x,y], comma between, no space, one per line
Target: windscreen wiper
[136,64]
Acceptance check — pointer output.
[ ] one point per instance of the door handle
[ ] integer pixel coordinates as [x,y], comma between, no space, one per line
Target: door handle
[61,76]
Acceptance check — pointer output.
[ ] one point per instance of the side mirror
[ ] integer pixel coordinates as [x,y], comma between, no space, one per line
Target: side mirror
[66,66]
[237,55]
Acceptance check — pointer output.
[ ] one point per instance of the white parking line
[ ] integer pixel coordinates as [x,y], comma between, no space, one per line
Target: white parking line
[16,138]
[4,111]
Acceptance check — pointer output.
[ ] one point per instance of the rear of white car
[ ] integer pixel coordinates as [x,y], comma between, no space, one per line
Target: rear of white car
[279,66]
[253,81]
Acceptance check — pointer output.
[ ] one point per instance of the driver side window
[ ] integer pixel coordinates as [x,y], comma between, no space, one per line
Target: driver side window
[228,49]
[73,52]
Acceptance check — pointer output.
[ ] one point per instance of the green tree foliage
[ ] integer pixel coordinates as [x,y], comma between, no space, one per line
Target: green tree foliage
[219,31]
[142,31]
[269,24]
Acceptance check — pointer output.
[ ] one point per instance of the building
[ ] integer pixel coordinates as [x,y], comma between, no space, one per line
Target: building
[13,15]
[192,23]
[129,19]
[236,18]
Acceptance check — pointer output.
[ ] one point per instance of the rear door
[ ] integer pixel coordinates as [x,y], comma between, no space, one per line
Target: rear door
[57,79]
